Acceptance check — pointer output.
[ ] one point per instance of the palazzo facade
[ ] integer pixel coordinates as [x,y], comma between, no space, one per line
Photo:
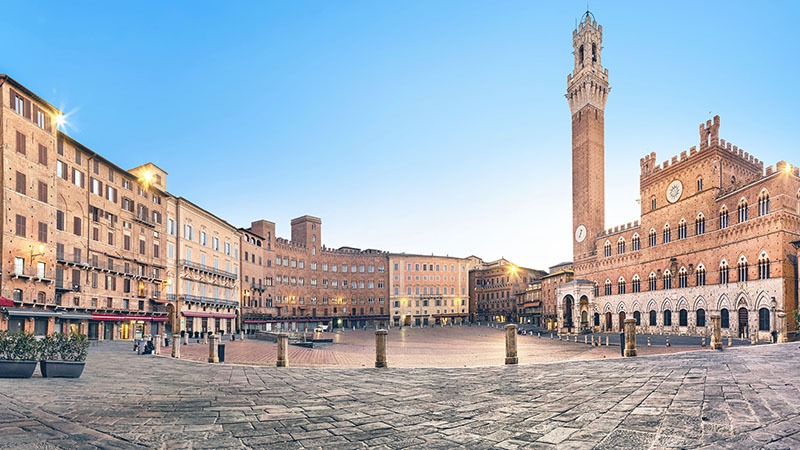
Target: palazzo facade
[717,233]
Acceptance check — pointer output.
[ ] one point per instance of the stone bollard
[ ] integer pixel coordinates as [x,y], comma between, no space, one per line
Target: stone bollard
[648,341]
[585,339]
[157,344]
[667,344]
[716,332]
[551,335]
[380,348]
[241,335]
[730,341]
[205,338]
[702,341]
[185,339]
[511,344]
[539,334]
[630,337]
[283,341]
[213,356]
[606,341]
[753,338]
[576,339]
[176,346]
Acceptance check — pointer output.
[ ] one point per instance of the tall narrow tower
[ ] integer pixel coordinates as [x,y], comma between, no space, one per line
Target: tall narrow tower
[587,89]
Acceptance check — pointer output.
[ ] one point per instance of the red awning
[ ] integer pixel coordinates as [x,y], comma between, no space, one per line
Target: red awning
[214,315]
[112,318]
[254,321]
[6,302]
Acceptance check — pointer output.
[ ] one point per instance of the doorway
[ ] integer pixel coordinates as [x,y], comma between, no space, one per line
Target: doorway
[744,332]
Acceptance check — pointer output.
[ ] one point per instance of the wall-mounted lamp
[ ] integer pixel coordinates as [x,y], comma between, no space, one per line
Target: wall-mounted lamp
[41,251]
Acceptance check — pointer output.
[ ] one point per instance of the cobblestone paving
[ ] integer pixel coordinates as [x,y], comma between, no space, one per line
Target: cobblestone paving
[740,398]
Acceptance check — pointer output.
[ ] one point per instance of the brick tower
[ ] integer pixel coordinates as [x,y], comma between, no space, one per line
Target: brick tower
[587,89]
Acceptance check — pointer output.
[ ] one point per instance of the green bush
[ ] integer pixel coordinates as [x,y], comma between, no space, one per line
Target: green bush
[64,347]
[18,346]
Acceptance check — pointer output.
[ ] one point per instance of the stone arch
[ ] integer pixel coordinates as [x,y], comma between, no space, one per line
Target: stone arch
[651,305]
[763,300]
[700,303]
[723,302]
[666,304]
[682,303]
[635,306]
[742,300]
[621,307]
[607,308]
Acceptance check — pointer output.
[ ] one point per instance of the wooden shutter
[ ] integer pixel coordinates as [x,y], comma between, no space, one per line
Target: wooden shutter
[12,96]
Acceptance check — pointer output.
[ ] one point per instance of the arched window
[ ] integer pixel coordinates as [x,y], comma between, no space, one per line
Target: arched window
[699,184]
[682,229]
[763,266]
[621,245]
[683,278]
[742,268]
[580,53]
[667,279]
[41,297]
[763,203]
[635,284]
[594,53]
[608,287]
[596,319]
[652,203]
[635,244]
[763,319]
[667,318]
[723,272]
[637,316]
[607,249]
[742,211]
[16,295]
[700,224]
[725,318]
[652,281]
[683,318]
[652,237]
[700,318]
[667,234]
[723,217]
[653,318]
[700,275]
[621,285]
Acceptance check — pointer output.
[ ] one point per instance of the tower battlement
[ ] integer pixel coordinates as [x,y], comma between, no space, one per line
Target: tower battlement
[709,139]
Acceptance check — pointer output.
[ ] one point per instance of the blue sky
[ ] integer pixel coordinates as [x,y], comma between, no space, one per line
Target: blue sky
[425,127]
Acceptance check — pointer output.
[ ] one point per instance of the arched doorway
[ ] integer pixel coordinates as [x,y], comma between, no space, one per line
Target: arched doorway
[608,321]
[569,303]
[621,320]
[743,323]
[584,308]
[172,323]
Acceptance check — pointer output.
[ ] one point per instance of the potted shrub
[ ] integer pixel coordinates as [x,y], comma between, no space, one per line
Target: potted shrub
[63,355]
[18,354]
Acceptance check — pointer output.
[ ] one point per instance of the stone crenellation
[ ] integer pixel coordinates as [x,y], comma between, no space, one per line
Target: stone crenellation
[709,138]
[623,227]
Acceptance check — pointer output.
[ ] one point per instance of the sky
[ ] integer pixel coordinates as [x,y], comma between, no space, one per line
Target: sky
[406,126]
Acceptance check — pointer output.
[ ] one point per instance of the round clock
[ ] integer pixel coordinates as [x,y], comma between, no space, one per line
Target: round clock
[674,191]
[580,233]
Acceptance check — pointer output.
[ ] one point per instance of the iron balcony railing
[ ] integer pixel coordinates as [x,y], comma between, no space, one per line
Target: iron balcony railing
[207,269]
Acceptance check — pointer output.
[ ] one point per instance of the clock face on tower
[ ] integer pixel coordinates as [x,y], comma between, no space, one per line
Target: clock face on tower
[674,191]
[580,233]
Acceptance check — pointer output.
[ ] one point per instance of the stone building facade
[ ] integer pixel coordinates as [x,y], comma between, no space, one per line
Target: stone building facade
[714,236]
[496,285]
[429,290]
[559,275]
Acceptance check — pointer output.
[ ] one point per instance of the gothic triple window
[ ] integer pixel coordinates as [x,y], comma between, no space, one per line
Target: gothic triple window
[683,278]
[621,246]
[700,224]
[743,269]
[652,237]
[635,284]
[667,280]
[723,272]
[700,275]
[723,218]
[607,249]
[763,203]
[621,286]
[608,287]
[635,244]
[667,234]
[652,281]
[763,266]
[682,229]
[742,211]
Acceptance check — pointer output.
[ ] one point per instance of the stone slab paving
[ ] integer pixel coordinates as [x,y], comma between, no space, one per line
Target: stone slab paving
[740,398]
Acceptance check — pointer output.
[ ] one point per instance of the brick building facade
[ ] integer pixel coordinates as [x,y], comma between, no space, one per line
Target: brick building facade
[496,285]
[714,236]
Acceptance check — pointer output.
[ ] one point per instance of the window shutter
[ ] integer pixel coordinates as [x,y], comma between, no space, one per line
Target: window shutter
[27,109]
[12,96]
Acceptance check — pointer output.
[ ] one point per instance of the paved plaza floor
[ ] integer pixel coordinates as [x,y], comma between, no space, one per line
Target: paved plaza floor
[744,397]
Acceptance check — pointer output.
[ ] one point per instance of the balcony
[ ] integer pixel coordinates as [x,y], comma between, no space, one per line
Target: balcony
[31,273]
[143,219]
[209,301]
[210,270]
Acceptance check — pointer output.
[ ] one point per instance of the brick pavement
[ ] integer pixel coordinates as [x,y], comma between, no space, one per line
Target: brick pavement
[417,347]
[740,398]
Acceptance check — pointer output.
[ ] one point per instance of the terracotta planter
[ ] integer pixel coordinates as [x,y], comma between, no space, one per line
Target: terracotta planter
[17,368]
[62,369]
